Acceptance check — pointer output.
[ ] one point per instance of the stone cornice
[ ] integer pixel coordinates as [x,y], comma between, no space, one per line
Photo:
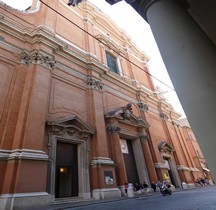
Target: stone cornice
[26,154]
[160,166]
[182,168]
[110,43]
[101,161]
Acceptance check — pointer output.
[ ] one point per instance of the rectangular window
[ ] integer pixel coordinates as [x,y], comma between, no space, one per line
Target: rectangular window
[112,62]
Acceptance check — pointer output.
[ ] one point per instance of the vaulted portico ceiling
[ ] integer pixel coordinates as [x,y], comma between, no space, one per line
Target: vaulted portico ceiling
[126,114]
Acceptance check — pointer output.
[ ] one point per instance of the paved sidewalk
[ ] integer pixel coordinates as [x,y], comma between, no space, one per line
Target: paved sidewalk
[70,203]
[74,203]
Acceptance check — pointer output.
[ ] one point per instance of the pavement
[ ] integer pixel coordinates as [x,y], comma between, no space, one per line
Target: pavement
[63,204]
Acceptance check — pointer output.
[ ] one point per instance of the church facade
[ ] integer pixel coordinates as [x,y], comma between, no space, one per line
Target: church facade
[79,113]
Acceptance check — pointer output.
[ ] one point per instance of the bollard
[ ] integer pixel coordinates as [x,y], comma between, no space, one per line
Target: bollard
[184,185]
[130,191]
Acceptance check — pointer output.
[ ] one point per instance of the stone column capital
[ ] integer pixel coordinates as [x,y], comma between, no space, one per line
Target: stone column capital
[141,6]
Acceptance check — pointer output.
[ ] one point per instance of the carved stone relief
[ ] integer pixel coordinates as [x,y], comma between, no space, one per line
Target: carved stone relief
[36,57]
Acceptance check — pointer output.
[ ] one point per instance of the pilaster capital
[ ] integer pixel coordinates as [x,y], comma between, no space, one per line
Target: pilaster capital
[164,116]
[114,129]
[143,137]
[38,58]
[143,106]
[94,83]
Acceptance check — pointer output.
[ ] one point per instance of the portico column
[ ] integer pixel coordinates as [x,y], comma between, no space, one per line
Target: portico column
[190,58]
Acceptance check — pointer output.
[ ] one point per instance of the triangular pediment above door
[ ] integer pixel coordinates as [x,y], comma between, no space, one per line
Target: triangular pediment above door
[165,146]
[69,125]
[125,114]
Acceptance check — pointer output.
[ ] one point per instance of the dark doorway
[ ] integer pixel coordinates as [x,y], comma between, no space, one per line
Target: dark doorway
[66,170]
[130,164]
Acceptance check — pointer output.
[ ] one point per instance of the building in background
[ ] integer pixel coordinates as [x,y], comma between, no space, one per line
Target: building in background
[79,113]
[194,149]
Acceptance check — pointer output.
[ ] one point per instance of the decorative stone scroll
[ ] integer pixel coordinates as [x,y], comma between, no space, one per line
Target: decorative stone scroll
[94,83]
[36,57]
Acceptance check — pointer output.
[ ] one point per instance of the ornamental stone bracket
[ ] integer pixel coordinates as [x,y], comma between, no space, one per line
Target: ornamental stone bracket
[37,58]
[94,83]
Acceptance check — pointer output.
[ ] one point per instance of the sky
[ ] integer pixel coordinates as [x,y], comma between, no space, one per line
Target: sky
[140,33]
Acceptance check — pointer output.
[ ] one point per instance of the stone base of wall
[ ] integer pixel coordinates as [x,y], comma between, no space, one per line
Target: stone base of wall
[106,193]
[20,201]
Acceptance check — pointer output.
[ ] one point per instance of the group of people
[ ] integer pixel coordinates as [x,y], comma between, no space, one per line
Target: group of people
[141,188]
[201,182]
[144,188]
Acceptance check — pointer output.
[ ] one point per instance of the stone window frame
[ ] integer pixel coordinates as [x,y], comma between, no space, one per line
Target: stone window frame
[115,59]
